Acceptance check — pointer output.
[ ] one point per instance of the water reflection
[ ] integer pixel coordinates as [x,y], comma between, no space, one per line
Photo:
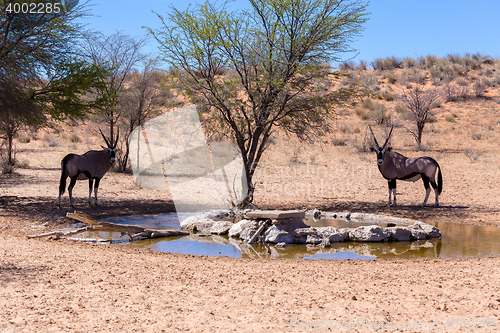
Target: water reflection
[458,241]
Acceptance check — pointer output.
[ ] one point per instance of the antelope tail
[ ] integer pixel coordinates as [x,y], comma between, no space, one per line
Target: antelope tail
[64,173]
[440,179]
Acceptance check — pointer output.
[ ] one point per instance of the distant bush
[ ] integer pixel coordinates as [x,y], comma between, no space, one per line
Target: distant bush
[450,118]
[409,62]
[391,78]
[379,115]
[362,113]
[387,64]
[432,119]
[74,138]
[51,142]
[477,136]
[338,142]
[369,104]
[400,109]
[472,154]
[480,88]
[24,139]
[347,65]
[387,96]
[6,166]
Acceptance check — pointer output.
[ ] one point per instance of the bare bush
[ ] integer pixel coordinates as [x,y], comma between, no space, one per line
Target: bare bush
[409,62]
[420,104]
[472,154]
[450,91]
[463,87]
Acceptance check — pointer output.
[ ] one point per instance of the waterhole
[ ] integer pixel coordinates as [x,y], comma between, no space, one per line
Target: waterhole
[457,241]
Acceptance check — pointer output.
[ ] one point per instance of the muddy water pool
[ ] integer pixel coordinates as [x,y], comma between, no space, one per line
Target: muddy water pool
[457,241]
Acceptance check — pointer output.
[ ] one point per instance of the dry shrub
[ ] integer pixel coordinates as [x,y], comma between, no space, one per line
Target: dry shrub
[369,104]
[450,118]
[409,62]
[51,142]
[74,138]
[379,115]
[472,154]
[24,139]
[362,113]
[391,78]
[338,142]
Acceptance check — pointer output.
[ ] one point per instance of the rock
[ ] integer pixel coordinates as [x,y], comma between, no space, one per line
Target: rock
[417,232]
[191,221]
[431,231]
[203,226]
[290,224]
[221,227]
[275,214]
[399,233]
[237,228]
[370,233]
[332,234]
[275,235]
[249,229]
[308,235]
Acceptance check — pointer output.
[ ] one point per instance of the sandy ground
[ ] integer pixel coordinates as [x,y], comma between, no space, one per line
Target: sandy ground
[55,286]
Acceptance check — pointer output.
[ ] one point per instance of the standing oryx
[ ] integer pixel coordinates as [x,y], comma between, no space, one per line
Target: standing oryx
[91,165]
[395,166]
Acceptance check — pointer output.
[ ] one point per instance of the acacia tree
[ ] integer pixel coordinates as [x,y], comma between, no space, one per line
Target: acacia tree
[145,95]
[253,71]
[119,53]
[40,73]
[420,103]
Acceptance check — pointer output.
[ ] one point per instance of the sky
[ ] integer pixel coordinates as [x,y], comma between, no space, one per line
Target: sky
[399,28]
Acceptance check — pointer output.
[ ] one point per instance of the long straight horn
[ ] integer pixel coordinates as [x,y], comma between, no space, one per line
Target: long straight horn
[374,138]
[117,136]
[105,140]
[387,140]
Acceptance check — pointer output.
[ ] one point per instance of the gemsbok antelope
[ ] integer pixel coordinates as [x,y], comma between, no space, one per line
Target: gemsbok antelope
[394,166]
[92,166]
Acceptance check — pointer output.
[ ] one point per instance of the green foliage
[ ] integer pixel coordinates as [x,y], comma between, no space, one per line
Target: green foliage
[250,70]
[41,76]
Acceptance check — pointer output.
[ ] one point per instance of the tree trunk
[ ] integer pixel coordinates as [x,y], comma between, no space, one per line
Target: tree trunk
[10,140]
[420,129]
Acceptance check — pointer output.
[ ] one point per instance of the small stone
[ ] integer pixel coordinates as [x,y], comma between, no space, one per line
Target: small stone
[399,233]
[370,233]
[417,232]
[237,228]
[275,214]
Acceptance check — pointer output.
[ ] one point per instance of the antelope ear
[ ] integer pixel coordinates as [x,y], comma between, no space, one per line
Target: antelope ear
[389,149]
[372,149]
[105,148]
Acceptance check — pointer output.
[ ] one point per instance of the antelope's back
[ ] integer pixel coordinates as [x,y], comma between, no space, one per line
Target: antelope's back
[95,162]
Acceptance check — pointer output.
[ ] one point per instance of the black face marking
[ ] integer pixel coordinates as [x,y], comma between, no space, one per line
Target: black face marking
[112,154]
[380,155]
